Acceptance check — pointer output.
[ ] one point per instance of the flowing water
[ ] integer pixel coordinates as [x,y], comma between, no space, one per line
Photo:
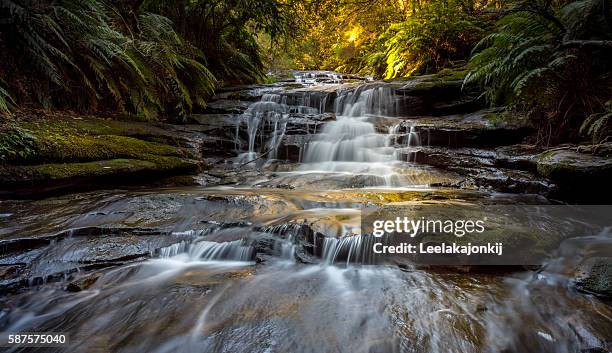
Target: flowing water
[255,268]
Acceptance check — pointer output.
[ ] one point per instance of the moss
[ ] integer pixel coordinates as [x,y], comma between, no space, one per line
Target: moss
[564,164]
[67,125]
[451,74]
[60,171]
[82,140]
[71,148]
[66,147]
[597,277]
[16,144]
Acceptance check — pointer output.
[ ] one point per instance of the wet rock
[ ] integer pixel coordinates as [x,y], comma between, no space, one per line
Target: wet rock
[83,283]
[470,130]
[482,167]
[300,234]
[8,272]
[226,106]
[321,98]
[292,147]
[595,276]
[581,176]
[82,249]
[246,92]
[86,153]
[219,146]
[521,156]
[439,94]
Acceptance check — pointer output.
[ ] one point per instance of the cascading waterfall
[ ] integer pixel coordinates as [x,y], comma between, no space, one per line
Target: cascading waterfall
[271,109]
[411,138]
[351,143]
[349,250]
[202,250]
[268,118]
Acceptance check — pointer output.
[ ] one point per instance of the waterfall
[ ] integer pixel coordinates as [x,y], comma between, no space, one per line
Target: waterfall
[266,121]
[367,100]
[271,109]
[355,249]
[353,137]
[351,143]
[411,138]
[285,247]
[201,250]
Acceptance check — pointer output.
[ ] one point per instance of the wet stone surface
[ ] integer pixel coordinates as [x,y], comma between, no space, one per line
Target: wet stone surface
[267,255]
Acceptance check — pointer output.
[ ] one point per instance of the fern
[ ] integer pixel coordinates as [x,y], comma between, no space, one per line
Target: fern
[429,41]
[598,126]
[526,64]
[6,101]
[83,54]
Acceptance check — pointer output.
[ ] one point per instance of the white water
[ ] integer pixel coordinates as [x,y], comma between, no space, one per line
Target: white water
[351,144]
[270,110]
[271,114]
[201,250]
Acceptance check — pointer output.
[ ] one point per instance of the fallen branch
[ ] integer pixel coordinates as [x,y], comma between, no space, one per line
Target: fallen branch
[587,43]
[253,160]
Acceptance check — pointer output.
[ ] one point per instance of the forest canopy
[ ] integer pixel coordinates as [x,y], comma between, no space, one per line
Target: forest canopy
[547,59]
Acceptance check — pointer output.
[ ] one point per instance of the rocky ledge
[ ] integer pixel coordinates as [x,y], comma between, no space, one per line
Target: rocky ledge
[68,152]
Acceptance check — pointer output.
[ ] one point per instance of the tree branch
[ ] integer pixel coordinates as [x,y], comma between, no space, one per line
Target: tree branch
[604,44]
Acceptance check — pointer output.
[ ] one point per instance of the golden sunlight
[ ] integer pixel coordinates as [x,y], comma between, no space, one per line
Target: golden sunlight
[353,34]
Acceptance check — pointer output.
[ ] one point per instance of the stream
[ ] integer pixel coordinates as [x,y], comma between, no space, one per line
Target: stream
[268,257]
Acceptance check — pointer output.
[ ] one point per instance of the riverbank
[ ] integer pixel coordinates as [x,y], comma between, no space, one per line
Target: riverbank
[438,123]
[266,252]
[64,152]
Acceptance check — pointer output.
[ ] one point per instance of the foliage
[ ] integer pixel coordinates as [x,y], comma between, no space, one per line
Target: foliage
[80,58]
[16,143]
[226,31]
[599,125]
[389,38]
[434,38]
[144,56]
[551,62]
[6,101]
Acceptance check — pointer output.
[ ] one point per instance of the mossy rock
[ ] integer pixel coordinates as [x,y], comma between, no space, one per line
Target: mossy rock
[450,74]
[72,148]
[63,171]
[67,149]
[580,177]
[596,276]
[563,164]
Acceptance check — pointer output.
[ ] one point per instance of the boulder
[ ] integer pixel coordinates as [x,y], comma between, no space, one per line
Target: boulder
[478,129]
[439,94]
[582,177]
[482,167]
[595,276]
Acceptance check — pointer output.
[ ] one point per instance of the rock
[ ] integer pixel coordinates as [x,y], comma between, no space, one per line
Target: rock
[476,129]
[292,147]
[226,106]
[439,94]
[581,176]
[482,167]
[79,250]
[68,152]
[247,92]
[8,272]
[82,283]
[520,156]
[595,276]
[46,178]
